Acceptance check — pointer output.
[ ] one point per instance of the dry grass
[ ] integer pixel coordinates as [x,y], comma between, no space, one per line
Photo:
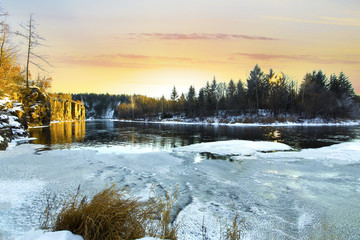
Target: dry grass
[110,215]
[233,232]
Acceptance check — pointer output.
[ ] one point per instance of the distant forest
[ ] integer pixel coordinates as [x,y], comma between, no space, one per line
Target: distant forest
[276,94]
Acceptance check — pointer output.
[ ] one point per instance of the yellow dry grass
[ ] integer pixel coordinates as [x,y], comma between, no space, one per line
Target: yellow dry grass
[110,215]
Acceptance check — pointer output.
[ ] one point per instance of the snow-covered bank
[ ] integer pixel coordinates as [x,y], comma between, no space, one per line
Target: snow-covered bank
[219,122]
[282,195]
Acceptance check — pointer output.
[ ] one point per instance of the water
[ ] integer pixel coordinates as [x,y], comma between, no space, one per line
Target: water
[166,136]
[308,194]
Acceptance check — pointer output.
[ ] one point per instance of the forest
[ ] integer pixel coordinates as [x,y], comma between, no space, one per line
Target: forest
[276,94]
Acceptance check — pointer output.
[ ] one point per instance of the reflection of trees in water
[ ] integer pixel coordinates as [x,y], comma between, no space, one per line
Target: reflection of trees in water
[62,133]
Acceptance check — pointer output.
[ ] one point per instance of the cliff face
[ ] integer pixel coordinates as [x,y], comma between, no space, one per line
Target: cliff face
[34,108]
[42,109]
[66,110]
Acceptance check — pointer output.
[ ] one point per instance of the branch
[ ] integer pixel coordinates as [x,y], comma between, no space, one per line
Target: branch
[41,58]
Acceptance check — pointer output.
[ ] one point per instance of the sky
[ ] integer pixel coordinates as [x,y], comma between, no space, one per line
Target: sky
[149,46]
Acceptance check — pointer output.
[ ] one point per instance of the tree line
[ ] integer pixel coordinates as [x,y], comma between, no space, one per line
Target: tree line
[277,94]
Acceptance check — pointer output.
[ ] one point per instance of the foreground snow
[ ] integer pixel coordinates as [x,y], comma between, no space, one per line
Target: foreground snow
[281,195]
[60,235]
[41,235]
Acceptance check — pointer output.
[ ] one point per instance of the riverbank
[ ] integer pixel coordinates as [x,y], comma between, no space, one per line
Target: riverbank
[249,120]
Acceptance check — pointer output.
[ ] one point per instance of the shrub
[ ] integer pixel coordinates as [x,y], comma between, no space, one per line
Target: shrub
[110,215]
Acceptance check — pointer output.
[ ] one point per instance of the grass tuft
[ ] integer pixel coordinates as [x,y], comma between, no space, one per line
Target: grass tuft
[110,215]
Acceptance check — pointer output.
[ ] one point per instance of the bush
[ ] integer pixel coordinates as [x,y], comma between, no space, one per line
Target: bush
[110,215]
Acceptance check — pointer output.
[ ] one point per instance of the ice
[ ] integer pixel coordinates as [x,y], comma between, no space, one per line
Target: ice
[338,154]
[125,149]
[281,195]
[234,147]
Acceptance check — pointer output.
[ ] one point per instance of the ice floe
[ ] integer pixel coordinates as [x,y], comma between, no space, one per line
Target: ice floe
[234,147]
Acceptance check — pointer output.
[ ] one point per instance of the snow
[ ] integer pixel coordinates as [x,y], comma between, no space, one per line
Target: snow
[126,149]
[218,122]
[5,100]
[235,147]
[41,235]
[281,195]
[59,235]
[340,154]
[1,139]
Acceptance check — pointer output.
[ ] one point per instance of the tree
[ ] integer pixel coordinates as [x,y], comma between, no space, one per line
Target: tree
[278,92]
[230,95]
[341,86]
[174,98]
[174,94]
[190,101]
[10,71]
[33,40]
[314,96]
[240,96]
[254,86]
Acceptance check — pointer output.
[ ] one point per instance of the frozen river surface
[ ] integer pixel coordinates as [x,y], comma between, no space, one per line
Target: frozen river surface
[282,192]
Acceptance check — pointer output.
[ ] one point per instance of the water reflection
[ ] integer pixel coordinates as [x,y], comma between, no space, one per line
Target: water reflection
[61,135]
[166,136]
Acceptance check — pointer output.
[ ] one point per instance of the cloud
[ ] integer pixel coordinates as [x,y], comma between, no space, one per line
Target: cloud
[196,36]
[321,20]
[306,58]
[122,60]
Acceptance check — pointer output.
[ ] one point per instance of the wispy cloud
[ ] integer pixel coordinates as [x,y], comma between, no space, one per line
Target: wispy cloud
[306,58]
[134,61]
[196,36]
[320,20]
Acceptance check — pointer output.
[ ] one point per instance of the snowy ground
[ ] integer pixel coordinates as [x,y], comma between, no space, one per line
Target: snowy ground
[282,194]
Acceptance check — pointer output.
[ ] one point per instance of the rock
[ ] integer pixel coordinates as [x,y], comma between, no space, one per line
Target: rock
[11,126]
[65,110]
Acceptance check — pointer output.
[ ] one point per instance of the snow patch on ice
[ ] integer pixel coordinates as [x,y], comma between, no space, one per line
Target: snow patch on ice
[339,154]
[234,147]
[41,235]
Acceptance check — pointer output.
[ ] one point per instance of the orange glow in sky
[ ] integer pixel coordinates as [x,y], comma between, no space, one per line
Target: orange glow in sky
[148,46]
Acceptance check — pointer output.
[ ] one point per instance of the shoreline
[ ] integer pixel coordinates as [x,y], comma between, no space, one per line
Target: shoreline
[278,124]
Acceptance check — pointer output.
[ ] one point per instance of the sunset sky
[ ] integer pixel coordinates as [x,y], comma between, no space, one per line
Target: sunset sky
[148,46]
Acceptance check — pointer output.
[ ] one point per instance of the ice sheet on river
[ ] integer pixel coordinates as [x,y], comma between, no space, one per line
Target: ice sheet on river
[235,147]
[281,195]
[339,154]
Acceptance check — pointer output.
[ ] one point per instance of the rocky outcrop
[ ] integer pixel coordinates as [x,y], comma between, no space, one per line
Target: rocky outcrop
[12,122]
[66,110]
[32,107]
[42,109]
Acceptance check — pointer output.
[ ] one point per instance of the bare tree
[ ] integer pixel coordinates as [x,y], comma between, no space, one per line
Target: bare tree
[33,40]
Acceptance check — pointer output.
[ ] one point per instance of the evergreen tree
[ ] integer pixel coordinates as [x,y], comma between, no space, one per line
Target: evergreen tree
[190,101]
[240,96]
[254,88]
